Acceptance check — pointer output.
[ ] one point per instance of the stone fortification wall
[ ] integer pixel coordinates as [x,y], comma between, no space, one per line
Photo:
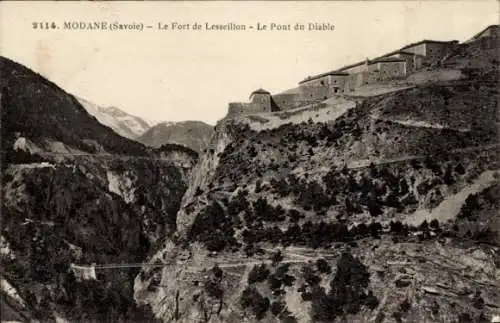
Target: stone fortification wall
[314,90]
[259,104]
[389,68]
[237,108]
[321,88]
[286,101]
[355,81]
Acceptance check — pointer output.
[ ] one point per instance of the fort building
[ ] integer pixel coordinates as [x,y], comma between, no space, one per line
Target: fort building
[432,50]
[350,77]
[391,66]
[260,101]
[413,61]
[355,68]
[388,66]
[492,31]
[487,39]
[378,70]
[322,86]
[285,100]
[394,65]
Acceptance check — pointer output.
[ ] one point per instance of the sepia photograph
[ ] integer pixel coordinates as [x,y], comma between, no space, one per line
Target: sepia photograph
[250,161]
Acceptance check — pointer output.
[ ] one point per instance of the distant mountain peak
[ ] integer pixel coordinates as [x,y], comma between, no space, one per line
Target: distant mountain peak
[121,122]
[191,134]
[48,117]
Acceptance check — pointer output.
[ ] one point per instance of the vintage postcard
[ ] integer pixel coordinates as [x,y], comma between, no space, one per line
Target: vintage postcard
[248,161]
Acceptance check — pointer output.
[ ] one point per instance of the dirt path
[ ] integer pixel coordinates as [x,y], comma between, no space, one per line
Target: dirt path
[197,269]
[449,208]
[361,163]
[326,111]
[419,124]
[368,91]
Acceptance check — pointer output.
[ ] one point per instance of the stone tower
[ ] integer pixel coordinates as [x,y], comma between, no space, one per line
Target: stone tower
[261,99]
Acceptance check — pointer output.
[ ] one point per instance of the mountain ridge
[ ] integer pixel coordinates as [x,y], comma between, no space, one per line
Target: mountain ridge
[192,134]
[121,122]
[81,194]
[67,120]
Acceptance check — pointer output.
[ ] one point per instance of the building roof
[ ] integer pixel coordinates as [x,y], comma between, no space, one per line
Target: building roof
[399,51]
[294,90]
[429,41]
[385,60]
[402,49]
[483,31]
[409,53]
[352,65]
[336,72]
[259,91]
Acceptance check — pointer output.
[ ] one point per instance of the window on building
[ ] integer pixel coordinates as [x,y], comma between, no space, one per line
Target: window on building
[322,82]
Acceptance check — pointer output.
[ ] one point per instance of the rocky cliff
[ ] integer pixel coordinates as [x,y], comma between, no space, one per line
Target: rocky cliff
[75,193]
[352,210]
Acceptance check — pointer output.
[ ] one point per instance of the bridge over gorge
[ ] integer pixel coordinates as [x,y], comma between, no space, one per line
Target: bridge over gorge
[86,272]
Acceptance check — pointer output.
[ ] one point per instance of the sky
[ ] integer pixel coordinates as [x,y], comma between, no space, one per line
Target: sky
[175,75]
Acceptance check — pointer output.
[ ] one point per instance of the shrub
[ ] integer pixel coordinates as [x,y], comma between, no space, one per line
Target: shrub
[371,301]
[470,207]
[237,204]
[465,318]
[266,212]
[213,228]
[397,227]
[405,306]
[374,207]
[213,289]
[217,272]
[277,307]
[252,299]
[295,215]
[198,192]
[280,277]
[287,317]
[347,291]
[397,316]
[274,282]
[323,266]
[424,226]
[277,257]
[310,278]
[258,274]
[323,308]
[434,224]
[478,301]
[375,228]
